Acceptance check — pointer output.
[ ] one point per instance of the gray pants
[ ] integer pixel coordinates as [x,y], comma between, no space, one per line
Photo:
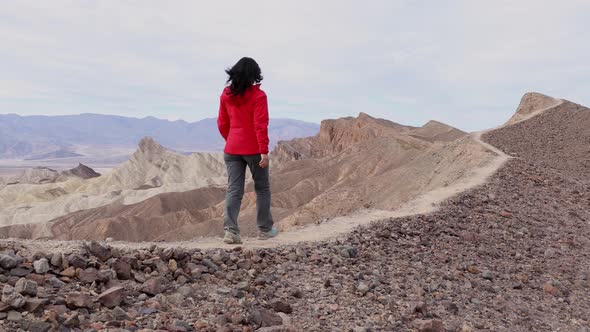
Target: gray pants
[236,174]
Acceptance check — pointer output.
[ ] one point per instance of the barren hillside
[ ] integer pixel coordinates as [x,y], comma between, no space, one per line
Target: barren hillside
[509,255]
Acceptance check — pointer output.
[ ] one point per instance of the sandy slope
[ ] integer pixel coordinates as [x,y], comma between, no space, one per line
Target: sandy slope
[150,171]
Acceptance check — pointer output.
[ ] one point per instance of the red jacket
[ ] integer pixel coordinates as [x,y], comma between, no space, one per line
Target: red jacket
[243,121]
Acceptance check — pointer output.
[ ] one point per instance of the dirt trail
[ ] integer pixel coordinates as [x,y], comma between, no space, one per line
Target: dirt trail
[426,203]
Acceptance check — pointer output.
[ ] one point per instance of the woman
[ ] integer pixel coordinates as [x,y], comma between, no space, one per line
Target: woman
[243,123]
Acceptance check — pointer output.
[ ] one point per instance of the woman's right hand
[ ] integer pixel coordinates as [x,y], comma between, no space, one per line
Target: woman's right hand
[263,161]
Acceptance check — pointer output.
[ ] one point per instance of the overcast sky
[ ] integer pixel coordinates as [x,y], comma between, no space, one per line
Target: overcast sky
[466,63]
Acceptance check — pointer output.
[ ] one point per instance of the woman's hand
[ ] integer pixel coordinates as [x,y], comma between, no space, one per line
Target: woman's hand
[263,161]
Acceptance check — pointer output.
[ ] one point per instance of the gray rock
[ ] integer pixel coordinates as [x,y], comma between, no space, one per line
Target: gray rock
[26,287]
[264,318]
[38,326]
[101,252]
[223,290]
[349,252]
[281,306]
[12,298]
[20,271]
[177,299]
[41,266]
[162,267]
[185,291]
[550,253]
[56,283]
[243,285]
[14,316]
[208,263]
[76,260]
[183,325]
[8,261]
[487,274]
[119,314]
[147,311]
[237,293]
[363,288]
[56,259]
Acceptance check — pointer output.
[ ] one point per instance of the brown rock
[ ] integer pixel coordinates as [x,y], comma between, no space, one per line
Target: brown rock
[72,321]
[122,269]
[152,286]
[88,275]
[60,309]
[550,289]
[100,251]
[51,316]
[418,307]
[70,272]
[35,304]
[473,269]
[172,265]
[79,300]
[111,297]
[281,306]
[4,307]
[430,325]
[39,279]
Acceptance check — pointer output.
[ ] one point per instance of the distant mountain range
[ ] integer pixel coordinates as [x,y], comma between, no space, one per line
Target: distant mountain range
[41,137]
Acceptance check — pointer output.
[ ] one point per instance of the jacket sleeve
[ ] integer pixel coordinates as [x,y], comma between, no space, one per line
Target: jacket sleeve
[261,123]
[223,120]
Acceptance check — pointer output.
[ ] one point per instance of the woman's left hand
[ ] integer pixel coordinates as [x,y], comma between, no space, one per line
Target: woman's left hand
[263,161]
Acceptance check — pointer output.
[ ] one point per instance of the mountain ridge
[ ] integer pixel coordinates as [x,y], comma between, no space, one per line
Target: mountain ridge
[36,136]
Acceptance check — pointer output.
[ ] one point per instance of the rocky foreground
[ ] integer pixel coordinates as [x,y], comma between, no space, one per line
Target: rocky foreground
[511,255]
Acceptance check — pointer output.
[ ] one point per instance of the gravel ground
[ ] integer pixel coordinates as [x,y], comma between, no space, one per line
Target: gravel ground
[511,255]
[559,139]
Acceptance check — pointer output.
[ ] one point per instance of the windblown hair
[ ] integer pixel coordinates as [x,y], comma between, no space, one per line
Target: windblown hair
[243,75]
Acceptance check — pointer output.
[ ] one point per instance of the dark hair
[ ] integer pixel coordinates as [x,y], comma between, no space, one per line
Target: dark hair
[242,75]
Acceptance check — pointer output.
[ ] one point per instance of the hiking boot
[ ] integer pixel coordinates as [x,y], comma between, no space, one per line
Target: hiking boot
[231,238]
[267,235]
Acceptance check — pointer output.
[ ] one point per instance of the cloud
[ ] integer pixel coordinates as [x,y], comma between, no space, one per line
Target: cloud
[463,62]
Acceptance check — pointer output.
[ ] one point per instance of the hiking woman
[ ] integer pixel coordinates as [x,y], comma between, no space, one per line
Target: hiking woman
[243,123]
